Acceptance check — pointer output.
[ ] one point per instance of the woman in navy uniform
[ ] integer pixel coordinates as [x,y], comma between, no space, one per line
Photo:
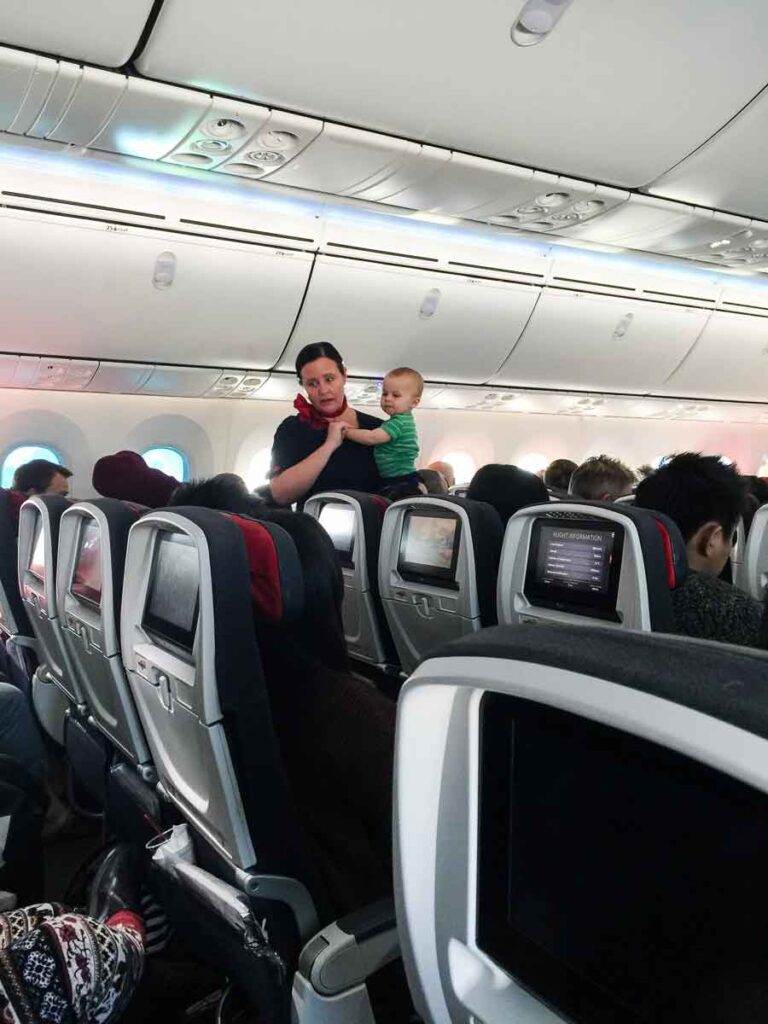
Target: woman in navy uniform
[309,453]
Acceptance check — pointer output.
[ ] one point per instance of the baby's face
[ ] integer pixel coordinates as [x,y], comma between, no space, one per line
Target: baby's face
[398,394]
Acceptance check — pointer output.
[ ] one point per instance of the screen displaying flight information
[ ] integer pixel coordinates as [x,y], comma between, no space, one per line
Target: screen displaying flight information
[575,558]
[575,566]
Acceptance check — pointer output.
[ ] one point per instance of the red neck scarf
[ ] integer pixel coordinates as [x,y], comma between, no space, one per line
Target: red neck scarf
[316,419]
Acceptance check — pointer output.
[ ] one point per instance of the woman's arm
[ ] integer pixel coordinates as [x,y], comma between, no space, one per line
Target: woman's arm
[293,483]
[367,437]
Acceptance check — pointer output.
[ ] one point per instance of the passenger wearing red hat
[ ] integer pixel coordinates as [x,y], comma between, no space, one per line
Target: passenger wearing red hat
[126,476]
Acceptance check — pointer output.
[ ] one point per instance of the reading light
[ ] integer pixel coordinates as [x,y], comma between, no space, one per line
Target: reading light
[716,245]
[224,128]
[536,20]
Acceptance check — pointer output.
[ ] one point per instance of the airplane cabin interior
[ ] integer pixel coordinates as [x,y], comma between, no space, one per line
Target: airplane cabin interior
[383,512]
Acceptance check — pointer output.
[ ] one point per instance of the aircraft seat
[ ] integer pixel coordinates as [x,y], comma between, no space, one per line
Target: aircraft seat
[39,522]
[737,561]
[93,537]
[354,522]
[438,561]
[194,578]
[752,574]
[583,562]
[18,645]
[582,827]
[459,490]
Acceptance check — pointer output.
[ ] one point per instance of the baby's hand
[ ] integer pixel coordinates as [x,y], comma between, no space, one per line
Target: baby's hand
[336,431]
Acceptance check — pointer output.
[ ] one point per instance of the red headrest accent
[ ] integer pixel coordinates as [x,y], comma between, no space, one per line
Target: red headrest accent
[263,568]
[669,556]
[382,504]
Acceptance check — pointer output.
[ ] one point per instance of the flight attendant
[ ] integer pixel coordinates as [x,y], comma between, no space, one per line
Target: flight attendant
[309,453]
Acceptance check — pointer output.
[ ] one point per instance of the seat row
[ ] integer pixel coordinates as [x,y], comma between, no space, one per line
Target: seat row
[426,570]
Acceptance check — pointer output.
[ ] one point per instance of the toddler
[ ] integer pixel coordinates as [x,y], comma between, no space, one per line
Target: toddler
[395,441]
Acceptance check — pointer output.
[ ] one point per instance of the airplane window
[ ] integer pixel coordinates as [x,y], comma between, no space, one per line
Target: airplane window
[168,460]
[533,463]
[763,470]
[258,468]
[464,466]
[25,453]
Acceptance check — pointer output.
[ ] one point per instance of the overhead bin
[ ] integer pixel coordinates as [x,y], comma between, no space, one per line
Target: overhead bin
[595,342]
[106,290]
[730,360]
[728,172]
[449,327]
[102,33]
[586,101]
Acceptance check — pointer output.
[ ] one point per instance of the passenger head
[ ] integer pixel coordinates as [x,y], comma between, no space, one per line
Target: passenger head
[643,471]
[126,476]
[41,477]
[507,488]
[705,497]
[434,481]
[226,492]
[601,478]
[401,390]
[323,376]
[447,471]
[558,474]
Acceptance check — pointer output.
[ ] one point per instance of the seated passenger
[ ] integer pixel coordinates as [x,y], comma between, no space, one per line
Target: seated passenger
[126,476]
[41,477]
[309,454]
[558,475]
[705,497]
[601,478]
[507,488]
[226,492]
[434,481]
[19,734]
[395,443]
[446,469]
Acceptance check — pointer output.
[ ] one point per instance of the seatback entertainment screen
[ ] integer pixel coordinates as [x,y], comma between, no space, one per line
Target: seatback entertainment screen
[173,598]
[575,566]
[37,562]
[619,880]
[86,579]
[429,547]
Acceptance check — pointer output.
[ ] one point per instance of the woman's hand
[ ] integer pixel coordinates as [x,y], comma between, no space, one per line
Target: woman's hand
[336,431]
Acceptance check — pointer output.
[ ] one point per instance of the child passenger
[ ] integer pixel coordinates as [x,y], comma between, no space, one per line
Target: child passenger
[396,442]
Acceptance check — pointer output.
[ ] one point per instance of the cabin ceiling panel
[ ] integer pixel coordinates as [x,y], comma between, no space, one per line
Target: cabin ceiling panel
[448,326]
[595,342]
[728,172]
[730,360]
[586,101]
[116,292]
[105,32]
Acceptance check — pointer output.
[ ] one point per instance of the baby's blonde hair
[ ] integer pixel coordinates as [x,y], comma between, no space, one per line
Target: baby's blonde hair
[414,375]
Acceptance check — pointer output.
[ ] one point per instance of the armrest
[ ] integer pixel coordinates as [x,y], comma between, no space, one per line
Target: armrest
[346,952]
